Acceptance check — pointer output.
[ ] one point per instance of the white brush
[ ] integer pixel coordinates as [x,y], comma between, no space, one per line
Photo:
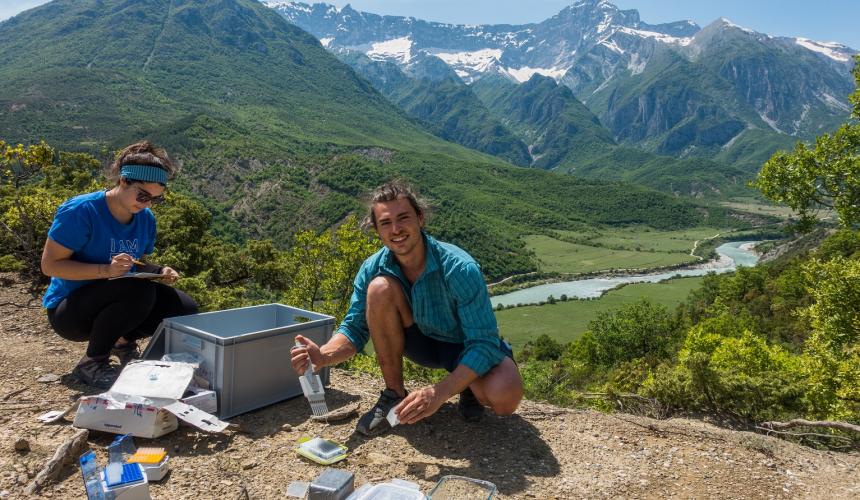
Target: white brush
[313,388]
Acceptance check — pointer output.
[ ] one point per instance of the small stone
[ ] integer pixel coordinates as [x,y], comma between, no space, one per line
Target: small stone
[287,428]
[48,378]
[22,478]
[250,464]
[176,448]
[22,445]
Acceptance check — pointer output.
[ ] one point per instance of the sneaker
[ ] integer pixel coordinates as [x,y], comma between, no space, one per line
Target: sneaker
[97,373]
[469,407]
[126,352]
[371,422]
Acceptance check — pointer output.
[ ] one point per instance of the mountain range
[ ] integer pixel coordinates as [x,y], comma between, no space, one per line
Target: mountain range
[273,132]
[721,92]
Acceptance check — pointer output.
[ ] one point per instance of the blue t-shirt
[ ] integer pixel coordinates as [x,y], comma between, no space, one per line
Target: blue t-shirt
[85,226]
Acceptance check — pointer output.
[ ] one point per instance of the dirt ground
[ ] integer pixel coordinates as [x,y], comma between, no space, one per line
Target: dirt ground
[540,452]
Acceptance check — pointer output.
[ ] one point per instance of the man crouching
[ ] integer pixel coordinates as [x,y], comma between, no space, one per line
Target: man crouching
[427,300]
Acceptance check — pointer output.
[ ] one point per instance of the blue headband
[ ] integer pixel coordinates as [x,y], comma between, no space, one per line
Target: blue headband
[146,173]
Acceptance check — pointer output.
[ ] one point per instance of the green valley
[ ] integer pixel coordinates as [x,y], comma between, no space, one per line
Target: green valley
[616,248]
[566,321]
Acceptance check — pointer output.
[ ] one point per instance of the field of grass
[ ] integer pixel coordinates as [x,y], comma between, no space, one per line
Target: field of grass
[640,237]
[754,206]
[567,321]
[615,248]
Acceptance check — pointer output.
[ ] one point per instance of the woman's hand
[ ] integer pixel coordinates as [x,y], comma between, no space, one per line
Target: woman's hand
[119,265]
[169,275]
[419,404]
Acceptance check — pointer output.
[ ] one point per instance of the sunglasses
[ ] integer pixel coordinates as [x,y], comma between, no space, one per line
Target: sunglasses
[144,197]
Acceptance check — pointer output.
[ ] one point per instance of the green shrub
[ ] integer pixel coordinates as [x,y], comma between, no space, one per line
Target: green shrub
[543,348]
[832,352]
[9,263]
[740,375]
[637,330]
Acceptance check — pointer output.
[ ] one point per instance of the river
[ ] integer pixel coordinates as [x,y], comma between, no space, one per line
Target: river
[731,256]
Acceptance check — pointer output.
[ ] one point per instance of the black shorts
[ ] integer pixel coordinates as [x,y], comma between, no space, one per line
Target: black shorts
[432,353]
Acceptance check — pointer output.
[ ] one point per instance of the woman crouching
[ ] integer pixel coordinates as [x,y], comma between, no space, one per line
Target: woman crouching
[102,235]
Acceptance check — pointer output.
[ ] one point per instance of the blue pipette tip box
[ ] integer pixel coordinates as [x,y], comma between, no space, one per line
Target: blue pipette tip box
[131,473]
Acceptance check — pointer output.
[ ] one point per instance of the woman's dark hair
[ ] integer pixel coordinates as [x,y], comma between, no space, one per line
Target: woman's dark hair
[142,153]
[390,191]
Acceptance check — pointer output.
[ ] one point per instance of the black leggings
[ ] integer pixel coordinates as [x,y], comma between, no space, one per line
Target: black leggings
[106,310]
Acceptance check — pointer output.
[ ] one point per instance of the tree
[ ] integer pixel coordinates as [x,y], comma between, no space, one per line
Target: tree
[824,176]
[543,348]
[34,181]
[633,331]
[832,352]
[320,267]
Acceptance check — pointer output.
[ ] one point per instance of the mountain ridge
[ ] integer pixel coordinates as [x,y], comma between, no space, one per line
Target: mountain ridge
[601,52]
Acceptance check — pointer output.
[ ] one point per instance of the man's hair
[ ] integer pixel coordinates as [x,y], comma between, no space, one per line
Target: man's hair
[142,153]
[394,190]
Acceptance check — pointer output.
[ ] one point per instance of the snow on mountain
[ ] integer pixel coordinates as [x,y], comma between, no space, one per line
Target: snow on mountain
[835,51]
[468,63]
[730,24]
[660,37]
[396,49]
[525,73]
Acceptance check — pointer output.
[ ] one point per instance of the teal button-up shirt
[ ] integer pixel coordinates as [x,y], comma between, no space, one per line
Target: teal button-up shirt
[449,303]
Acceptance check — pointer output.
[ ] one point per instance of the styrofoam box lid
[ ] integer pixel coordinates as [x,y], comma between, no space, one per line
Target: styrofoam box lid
[388,491]
[154,379]
[248,323]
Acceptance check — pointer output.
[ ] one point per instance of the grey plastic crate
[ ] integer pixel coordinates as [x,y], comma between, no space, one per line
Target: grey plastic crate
[246,351]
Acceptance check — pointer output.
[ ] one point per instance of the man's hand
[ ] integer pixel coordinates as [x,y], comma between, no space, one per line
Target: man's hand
[299,356]
[419,404]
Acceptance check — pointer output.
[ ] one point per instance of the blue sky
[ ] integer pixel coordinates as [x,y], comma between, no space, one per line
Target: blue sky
[823,20]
